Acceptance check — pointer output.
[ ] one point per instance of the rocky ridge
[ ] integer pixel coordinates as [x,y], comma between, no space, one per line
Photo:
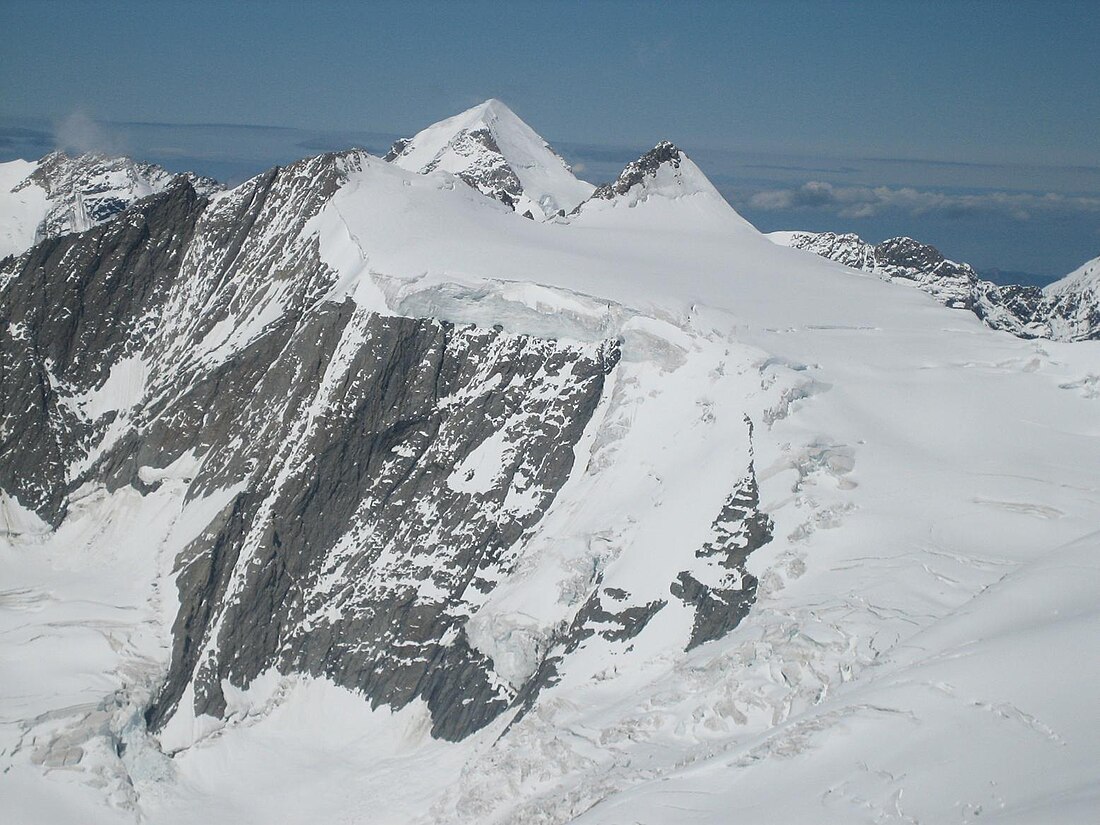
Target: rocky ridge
[1068,310]
[665,171]
[72,193]
[638,170]
[1071,306]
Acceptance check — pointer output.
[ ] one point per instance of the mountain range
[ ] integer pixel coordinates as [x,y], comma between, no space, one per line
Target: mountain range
[1068,309]
[446,487]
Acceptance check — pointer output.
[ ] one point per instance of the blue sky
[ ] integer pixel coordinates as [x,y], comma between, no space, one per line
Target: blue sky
[975,125]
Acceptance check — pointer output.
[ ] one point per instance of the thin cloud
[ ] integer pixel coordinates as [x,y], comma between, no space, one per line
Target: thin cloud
[78,133]
[779,167]
[867,201]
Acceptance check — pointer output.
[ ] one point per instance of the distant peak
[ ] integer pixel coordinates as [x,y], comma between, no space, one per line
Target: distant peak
[908,252]
[898,252]
[664,152]
[646,166]
[60,156]
[487,113]
[495,105]
[664,175]
[490,148]
[63,170]
[1086,276]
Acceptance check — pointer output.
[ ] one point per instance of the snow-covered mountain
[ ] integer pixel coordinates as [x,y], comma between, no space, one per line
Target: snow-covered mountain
[348,481]
[62,193]
[1067,310]
[664,171]
[666,174]
[1071,306]
[901,259]
[498,154]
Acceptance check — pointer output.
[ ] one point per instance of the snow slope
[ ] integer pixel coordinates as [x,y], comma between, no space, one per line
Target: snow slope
[494,151]
[1074,303]
[951,710]
[22,208]
[914,649]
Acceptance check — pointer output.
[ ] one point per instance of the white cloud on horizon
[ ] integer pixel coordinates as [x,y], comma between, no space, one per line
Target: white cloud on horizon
[869,201]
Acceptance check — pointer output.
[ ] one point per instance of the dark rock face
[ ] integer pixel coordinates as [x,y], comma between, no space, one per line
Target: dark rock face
[363,567]
[738,530]
[1077,314]
[381,469]
[910,254]
[75,306]
[619,626]
[488,170]
[399,146]
[70,309]
[1013,308]
[638,170]
[952,283]
[608,616]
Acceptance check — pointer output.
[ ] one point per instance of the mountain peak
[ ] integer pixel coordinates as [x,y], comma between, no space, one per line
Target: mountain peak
[1074,303]
[1085,276]
[494,106]
[490,148]
[665,171]
[63,193]
[646,166]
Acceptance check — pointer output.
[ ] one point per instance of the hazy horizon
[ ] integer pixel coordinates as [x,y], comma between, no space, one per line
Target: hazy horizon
[972,223]
[961,126]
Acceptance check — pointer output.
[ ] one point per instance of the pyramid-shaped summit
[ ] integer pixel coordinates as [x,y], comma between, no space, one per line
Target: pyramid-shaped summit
[494,151]
[663,168]
[666,175]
